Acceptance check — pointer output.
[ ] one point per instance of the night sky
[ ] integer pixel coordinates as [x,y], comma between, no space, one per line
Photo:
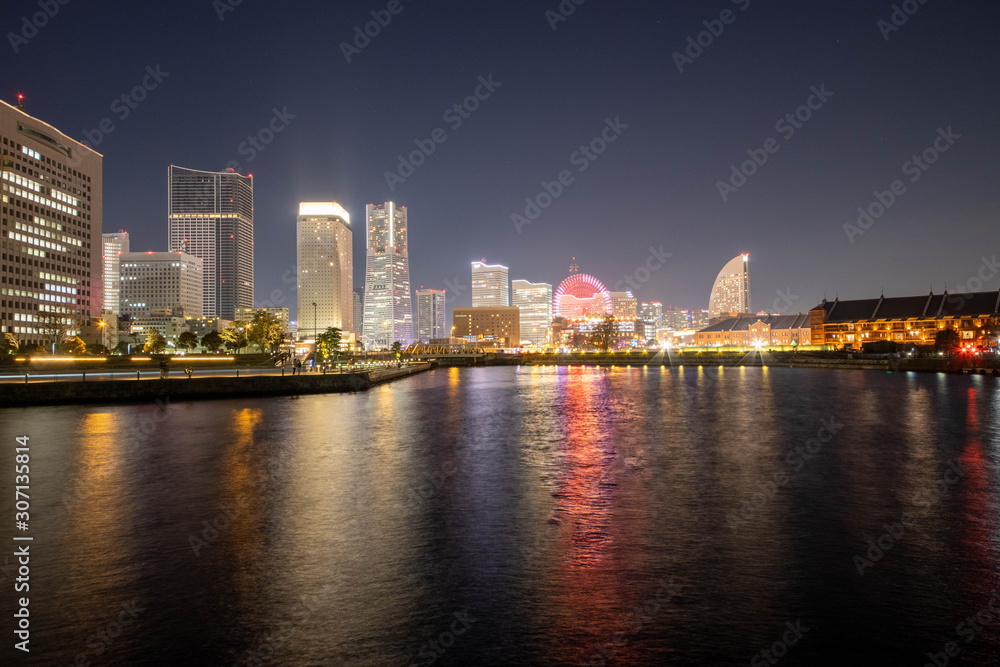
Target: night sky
[655,185]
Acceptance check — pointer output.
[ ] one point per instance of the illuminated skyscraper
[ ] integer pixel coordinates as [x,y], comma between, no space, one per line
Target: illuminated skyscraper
[388,308]
[623,304]
[359,310]
[210,215]
[534,300]
[490,285]
[430,314]
[325,267]
[731,291]
[113,247]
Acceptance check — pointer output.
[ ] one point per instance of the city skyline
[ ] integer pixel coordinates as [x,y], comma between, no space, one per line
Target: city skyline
[791,213]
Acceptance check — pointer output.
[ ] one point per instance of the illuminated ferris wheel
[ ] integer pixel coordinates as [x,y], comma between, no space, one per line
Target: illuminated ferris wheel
[581,295]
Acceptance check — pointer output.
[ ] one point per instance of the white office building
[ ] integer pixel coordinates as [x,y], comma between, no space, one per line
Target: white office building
[490,285]
[430,315]
[535,303]
[113,246]
[153,283]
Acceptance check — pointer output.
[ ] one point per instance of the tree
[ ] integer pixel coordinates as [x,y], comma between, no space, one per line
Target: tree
[9,344]
[187,340]
[53,326]
[267,332]
[73,346]
[155,342]
[396,347]
[96,349]
[121,347]
[947,340]
[604,335]
[212,341]
[235,334]
[328,344]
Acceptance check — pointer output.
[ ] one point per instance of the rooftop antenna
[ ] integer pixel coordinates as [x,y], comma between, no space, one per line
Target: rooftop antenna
[573,268]
[20,101]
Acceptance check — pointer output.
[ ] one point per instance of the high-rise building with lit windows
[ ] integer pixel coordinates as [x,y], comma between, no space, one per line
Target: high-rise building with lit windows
[210,215]
[359,311]
[324,242]
[50,259]
[490,285]
[534,301]
[388,309]
[113,246]
[624,305]
[731,291]
[430,315]
[161,283]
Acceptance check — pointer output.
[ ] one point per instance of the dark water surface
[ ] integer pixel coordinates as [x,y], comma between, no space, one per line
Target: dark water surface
[519,516]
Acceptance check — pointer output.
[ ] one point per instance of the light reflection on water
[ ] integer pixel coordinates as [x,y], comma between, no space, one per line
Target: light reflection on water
[547,502]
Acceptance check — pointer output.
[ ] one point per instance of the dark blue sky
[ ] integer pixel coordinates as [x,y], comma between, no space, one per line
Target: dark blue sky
[656,185]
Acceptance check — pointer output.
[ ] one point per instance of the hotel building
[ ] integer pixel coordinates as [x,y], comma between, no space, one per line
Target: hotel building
[388,315]
[499,326]
[490,285]
[535,303]
[624,305]
[210,216]
[731,291]
[324,243]
[50,260]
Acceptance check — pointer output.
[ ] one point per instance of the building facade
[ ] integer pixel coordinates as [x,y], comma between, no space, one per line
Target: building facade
[757,331]
[359,311]
[624,305]
[210,216]
[499,326]
[325,260]
[731,291]
[913,320]
[430,313]
[388,315]
[153,282]
[535,303]
[112,246]
[280,314]
[490,285]
[50,259]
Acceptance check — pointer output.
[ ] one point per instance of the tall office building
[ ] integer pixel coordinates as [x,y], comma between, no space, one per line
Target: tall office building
[156,283]
[430,315]
[490,285]
[731,291]
[359,311]
[652,313]
[210,215]
[325,267]
[534,301]
[51,229]
[388,309]
[113,246]
[624,305]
